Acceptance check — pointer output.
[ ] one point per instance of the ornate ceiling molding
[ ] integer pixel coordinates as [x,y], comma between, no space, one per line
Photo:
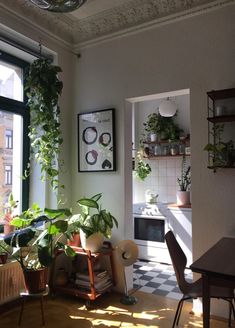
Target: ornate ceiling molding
[132,15]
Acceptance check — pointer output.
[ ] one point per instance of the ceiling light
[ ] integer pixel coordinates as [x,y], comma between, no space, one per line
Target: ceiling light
[167,108]
[61,6]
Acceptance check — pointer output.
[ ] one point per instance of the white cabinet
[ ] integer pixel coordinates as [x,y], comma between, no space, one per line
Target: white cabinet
[180,222]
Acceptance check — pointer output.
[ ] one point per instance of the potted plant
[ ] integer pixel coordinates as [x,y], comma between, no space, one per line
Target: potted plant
[95,223]
[9,207]
[43,89]
[164,127]
[183,195]
[35,242]
[73,230]
[221,153]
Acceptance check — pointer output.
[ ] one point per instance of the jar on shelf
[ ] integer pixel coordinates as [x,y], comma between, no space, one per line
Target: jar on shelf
[174,149]
[181,148]
[157,150]
[165,150]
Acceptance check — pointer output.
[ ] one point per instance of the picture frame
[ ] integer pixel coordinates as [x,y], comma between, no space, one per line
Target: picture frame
[96,141]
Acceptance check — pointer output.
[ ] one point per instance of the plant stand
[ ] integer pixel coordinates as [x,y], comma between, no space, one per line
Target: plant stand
[39,296]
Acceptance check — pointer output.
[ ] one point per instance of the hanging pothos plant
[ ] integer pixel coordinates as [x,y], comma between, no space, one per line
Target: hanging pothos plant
[43,89]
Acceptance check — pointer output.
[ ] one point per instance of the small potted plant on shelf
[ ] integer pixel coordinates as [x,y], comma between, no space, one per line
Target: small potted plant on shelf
[221,153]
[35,241]
[95,223]
[9,207]
[183,195]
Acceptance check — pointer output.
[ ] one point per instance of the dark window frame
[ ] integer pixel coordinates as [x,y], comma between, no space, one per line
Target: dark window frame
[20,108]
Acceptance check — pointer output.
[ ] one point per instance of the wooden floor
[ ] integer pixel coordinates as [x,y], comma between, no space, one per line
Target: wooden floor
[150,311]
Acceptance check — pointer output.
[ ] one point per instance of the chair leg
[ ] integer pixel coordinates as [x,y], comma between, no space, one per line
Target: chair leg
[179,314]
[178,311]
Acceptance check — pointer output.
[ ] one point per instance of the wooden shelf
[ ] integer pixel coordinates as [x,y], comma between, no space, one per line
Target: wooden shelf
[166,156]
[221,94]
[72,289]
[221,119]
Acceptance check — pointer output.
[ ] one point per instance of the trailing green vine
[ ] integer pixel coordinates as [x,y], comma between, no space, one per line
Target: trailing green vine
[43,89]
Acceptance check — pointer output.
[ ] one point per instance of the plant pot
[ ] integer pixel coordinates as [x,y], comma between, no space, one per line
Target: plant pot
[183,198]
[61,277]
[8,228]
[76,240]
[35,280]
[93,242]
[153,137]
[3,258]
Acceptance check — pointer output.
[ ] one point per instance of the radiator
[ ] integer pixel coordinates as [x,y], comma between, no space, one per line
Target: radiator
[11,281]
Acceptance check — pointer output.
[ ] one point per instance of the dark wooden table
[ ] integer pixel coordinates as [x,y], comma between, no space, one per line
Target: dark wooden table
[217,267]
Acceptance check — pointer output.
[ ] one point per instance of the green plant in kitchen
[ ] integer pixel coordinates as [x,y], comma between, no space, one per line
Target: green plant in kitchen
[185,179]
[43,89]
[9,207]
[165,127]
[142,169]
[221,153]
[94,219]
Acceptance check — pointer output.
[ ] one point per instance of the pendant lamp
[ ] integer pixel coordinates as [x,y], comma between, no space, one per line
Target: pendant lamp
[61,6]
[167,108]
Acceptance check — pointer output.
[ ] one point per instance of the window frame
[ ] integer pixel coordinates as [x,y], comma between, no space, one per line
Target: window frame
[20,108]
[9,139]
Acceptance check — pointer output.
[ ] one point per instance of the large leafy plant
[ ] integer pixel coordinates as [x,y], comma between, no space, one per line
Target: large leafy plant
[43,89]
[38,236]
[93,218]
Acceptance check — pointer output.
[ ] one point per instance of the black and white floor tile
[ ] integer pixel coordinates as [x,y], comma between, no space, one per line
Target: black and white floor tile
[157,278]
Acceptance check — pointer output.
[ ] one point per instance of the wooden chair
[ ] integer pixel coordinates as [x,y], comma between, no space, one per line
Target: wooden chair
[192,290]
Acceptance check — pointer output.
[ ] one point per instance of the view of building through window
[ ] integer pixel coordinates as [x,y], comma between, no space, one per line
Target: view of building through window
[11,135]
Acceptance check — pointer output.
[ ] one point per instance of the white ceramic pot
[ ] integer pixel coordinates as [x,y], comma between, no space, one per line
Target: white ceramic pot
[153,137]
[93,242]
[183,198]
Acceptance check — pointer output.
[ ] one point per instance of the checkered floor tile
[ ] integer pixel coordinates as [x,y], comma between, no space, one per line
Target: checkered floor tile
[157,278]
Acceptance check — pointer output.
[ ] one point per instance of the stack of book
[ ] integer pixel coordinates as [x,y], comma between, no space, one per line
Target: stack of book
[102,281]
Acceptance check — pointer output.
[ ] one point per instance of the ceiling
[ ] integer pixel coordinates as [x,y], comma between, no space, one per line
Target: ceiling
[98,20]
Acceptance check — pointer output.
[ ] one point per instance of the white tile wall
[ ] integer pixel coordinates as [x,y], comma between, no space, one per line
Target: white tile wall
[161,181]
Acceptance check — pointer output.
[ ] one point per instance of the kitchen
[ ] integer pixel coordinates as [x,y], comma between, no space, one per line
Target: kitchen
[155,205]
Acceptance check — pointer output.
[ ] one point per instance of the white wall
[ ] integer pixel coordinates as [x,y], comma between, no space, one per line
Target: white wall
[196,53]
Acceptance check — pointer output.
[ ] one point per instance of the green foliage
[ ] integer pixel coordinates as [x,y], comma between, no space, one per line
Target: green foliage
[220,152]
[43,90]
[93,218]
[185,180]
[162,126]
[142,169]
[39,232]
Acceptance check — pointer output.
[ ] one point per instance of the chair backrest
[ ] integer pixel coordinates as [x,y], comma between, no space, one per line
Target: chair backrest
[178,259]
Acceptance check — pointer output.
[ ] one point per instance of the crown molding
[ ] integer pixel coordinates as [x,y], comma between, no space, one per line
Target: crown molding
[133,16]
[163,20]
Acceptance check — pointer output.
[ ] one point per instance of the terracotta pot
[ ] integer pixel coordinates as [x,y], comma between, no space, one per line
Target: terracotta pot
[183,198]
[3,258]
[35,280]
[8,228]
[76,241]
[93,242]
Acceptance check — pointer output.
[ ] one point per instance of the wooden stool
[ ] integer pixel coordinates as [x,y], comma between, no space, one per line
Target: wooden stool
[40,296]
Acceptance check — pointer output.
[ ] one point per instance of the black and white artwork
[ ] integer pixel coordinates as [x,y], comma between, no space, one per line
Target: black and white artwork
[96,141]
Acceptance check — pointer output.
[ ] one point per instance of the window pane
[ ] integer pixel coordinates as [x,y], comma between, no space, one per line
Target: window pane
[11,81]
[11,126]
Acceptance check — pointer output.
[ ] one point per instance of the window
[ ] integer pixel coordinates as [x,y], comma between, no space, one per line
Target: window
[8,174]
[9,139]
[14,121]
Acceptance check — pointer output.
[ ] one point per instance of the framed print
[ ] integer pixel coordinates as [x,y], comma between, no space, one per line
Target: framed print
[96,141]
